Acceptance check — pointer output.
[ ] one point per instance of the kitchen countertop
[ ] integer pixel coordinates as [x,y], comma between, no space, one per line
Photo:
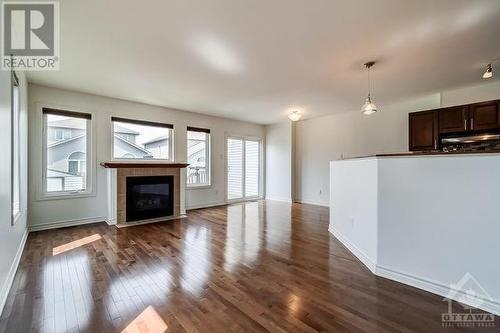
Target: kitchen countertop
[426,153]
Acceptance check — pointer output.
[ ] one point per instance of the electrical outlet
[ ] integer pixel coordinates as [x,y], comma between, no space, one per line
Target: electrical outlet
[320,192]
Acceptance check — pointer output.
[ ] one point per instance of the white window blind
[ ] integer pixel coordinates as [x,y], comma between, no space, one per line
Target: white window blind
[234,168]
[252,167]
[243,168]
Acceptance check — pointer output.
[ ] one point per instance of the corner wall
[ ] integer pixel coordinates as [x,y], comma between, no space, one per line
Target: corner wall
[12,237]
[279,144]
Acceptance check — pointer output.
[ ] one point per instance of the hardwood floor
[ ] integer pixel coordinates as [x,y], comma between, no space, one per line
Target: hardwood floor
[259,266]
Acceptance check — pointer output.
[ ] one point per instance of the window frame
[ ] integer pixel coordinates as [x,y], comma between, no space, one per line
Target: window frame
[208,157]
[15,152]
[245,138]
[90,185]
[143,123]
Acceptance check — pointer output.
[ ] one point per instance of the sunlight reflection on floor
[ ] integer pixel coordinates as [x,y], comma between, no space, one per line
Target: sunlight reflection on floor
[72,245]
[149,321]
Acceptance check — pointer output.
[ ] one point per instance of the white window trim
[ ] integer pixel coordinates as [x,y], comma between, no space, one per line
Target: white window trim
[16,145]
[261,167]
[208,158]
[121,159]
[90,190]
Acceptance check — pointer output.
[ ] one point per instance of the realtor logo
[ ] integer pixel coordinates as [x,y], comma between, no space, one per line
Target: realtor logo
[469,293]
[30,32]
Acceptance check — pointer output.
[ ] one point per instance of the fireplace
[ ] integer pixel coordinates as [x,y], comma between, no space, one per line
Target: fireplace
[149,197]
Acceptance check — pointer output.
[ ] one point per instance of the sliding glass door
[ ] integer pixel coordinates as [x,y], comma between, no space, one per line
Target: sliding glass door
[243,165]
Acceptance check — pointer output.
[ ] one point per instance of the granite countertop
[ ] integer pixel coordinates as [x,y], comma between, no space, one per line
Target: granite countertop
[427,153]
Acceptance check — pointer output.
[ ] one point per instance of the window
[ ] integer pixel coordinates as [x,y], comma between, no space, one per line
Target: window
[15,149]
[67,143]
[77,163]
[243,168]
[137,139]
[198,156]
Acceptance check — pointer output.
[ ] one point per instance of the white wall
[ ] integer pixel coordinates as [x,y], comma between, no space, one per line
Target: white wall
[279,143]
[54,211]
[442,221]
[320,140]
[354,207]
[12,238]
[434,221]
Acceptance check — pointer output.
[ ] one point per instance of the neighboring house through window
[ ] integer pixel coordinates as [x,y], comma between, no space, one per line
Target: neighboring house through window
[137,139]
[66,151]
[198,156]
[77,162]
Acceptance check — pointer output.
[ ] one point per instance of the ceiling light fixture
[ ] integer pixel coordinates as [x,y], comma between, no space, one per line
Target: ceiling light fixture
[489,72]
[295,116]
[369,107]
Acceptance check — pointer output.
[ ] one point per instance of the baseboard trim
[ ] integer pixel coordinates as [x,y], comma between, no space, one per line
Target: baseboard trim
[314,203]
[363,257]
[12,271]
[214,204]
[489,305]
[279,199]
[67,223]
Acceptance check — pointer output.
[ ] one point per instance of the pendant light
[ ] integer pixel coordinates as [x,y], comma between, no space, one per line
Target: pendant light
[489,72]
[369,107]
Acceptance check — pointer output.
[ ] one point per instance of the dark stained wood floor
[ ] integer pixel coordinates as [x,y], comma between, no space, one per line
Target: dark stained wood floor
[259,266]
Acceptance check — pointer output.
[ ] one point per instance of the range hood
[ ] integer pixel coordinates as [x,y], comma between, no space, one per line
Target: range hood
[470,139]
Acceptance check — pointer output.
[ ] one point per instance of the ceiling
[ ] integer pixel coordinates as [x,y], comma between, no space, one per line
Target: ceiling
[256,60]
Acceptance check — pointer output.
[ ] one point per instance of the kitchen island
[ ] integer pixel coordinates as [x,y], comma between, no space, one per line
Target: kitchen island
[427,220]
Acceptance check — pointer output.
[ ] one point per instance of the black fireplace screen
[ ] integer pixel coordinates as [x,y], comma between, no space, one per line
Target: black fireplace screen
[149,197]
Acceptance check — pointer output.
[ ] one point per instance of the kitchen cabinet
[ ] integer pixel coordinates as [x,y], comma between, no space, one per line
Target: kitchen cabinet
[485,116]
[454,119]
[423,130]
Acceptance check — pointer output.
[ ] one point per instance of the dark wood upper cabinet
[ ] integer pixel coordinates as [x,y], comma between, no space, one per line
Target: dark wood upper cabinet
[454,119]
[485,116]
[423,130]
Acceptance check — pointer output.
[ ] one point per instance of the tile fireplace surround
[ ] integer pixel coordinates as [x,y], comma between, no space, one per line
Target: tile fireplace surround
[117,187]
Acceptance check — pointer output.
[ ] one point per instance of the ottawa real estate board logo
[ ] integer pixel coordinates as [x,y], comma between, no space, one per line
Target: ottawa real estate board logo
[30,35]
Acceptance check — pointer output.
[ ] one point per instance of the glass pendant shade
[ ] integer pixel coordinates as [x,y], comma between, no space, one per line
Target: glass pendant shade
[489,72]
[369,107]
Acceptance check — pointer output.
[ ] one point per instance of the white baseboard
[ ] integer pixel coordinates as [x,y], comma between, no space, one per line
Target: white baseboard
[67,223]
[315,203]
[363,257]
[279,199]
[489,305]
[213,204]
[12,271]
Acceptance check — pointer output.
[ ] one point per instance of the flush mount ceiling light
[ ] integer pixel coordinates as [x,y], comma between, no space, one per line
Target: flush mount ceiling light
[489,72]
[369,107]
[295,116]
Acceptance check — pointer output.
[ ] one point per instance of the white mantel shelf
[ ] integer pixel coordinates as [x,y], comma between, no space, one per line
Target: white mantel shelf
[116,165]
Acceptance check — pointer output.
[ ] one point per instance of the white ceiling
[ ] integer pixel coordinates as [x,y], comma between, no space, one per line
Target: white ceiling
[256,60]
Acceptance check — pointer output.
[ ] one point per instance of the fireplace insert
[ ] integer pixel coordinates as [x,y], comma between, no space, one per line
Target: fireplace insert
[149,197]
